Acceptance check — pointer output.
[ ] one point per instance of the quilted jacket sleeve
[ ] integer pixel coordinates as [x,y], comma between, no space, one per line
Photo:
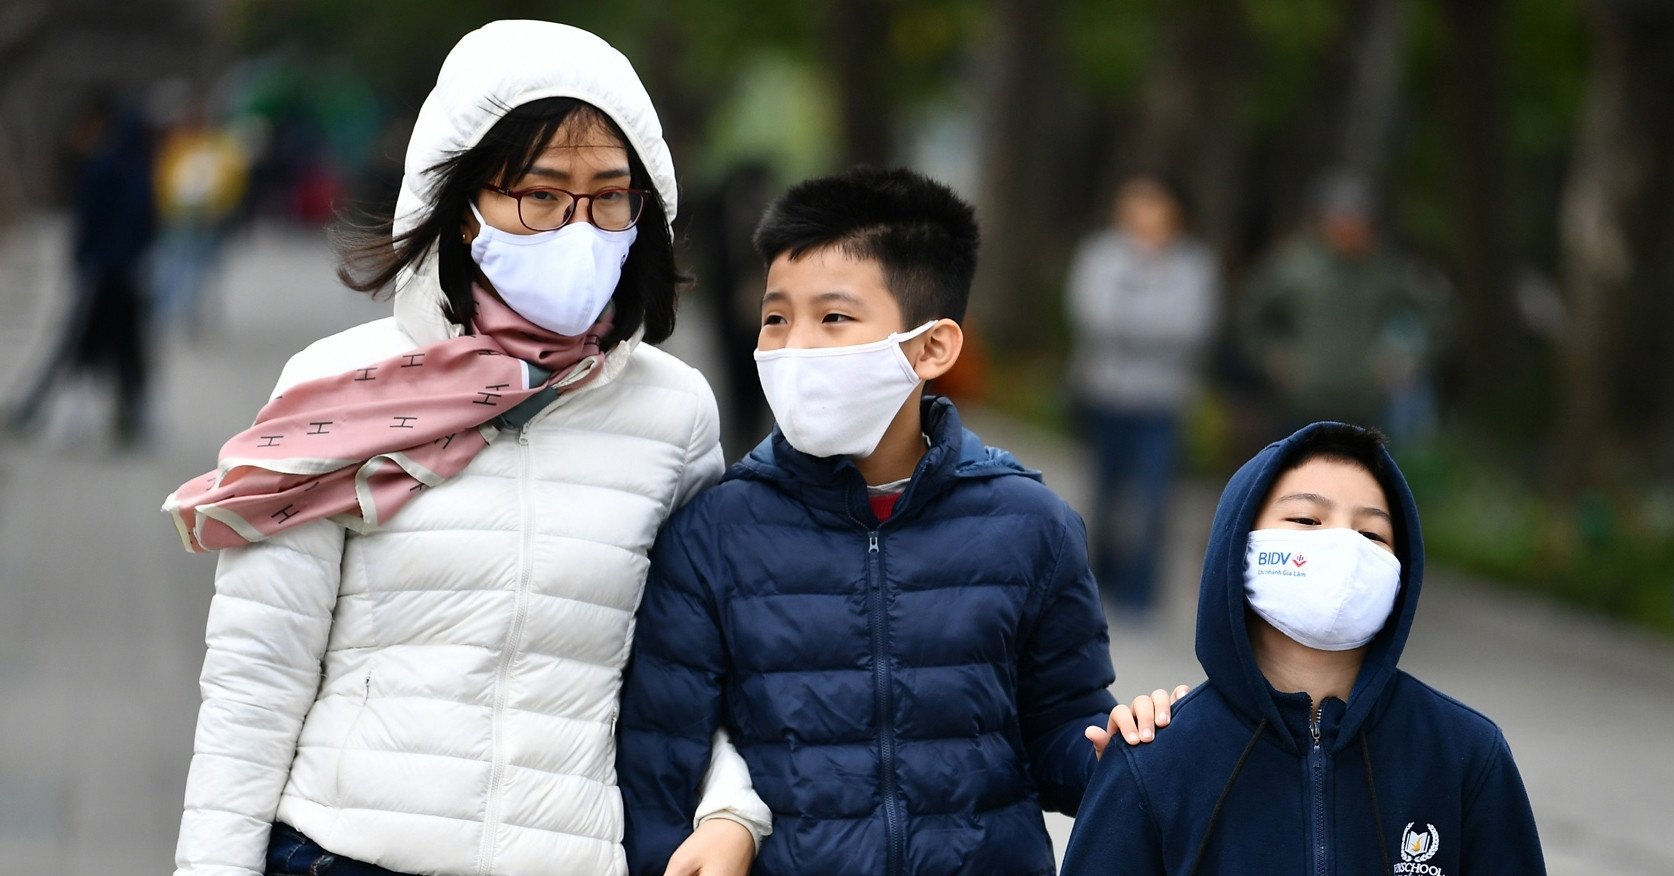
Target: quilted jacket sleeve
[1500,835]
[729,793]
[1065,674]
[268,626]
[704,459]
[671,701]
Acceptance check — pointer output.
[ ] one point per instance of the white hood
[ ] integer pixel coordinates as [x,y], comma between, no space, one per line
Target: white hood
[496,67]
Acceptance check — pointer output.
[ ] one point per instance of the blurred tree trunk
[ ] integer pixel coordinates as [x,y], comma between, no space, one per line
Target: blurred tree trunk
[857,51]
[1491,345]
[1371,102]
[1027,231]
[1608,200]
[684,104]
[1194,122]
[1644,372]
[1347,119]
[22,27]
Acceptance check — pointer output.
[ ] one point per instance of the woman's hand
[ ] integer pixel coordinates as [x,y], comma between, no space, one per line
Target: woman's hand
[719,847]
[1139,722]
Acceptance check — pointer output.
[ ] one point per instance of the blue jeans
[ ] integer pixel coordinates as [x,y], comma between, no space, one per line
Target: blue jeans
[1135,452]
[290,853]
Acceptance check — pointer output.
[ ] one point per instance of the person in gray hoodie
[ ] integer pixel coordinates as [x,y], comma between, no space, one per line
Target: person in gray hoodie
[1143,298]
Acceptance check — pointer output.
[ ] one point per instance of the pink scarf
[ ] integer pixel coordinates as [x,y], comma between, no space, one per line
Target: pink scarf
[357,446]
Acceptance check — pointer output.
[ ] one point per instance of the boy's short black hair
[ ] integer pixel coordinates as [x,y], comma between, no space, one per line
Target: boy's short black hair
[1341,442]
[1364,446]
[922,234]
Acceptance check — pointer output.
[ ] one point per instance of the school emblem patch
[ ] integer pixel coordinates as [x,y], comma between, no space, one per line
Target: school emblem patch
[1417,847]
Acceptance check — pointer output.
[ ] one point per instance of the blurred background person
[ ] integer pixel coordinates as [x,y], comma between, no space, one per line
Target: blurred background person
[201,174]
[113,222]
[1336,324]
[1143,297]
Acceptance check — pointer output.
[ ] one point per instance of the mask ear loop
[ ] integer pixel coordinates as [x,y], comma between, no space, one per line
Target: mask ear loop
[484,226]
[465,233]
[903,337]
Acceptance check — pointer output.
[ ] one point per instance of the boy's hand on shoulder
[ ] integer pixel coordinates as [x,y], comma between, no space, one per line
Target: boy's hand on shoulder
[1139,722]
[719,847]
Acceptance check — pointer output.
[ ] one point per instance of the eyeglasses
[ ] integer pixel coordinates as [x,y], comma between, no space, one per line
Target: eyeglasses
[543,208]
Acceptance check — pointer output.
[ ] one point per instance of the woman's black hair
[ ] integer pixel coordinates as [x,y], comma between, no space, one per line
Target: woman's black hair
[371,256]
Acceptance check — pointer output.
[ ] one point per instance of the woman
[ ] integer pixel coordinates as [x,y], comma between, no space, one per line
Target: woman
[1143,298]
[437,530]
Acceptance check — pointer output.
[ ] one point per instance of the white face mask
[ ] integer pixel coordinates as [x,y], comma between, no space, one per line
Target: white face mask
[838,401]
[1330,589]
[559,280]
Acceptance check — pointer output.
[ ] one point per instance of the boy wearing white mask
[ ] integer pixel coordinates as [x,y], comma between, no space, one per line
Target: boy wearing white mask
[895,623]
[1308,750]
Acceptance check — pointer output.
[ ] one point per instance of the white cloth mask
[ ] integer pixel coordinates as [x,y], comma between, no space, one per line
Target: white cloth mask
[1330,589]
[559,280]
[838,401]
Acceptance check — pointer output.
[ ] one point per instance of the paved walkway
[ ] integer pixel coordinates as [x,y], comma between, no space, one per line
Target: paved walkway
[101,613]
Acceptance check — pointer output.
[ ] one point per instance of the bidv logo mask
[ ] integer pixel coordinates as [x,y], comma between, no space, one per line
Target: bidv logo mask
[1330,589]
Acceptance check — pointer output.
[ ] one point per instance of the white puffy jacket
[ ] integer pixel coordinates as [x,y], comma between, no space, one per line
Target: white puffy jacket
[439,696]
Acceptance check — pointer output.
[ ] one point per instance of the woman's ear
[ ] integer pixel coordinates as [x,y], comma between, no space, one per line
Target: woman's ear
[468,228]
[939,349]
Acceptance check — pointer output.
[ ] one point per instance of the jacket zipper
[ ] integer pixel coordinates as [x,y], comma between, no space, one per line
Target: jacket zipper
[514,635]
[1316,766]
[886,722]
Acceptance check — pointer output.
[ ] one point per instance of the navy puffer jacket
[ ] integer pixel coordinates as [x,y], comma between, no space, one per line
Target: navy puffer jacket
[908,694]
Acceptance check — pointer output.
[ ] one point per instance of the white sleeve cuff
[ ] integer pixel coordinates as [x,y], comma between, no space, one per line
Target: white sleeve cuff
[727,791]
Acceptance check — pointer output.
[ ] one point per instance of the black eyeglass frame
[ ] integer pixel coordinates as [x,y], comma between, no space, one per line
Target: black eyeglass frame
[575,203]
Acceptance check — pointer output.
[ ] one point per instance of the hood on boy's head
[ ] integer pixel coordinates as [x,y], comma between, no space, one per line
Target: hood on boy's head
[499,66]
[1223,642]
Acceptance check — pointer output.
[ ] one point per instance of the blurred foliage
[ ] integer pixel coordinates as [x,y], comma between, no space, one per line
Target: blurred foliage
[744,53]
[778,113]
[1544,67]
[1293,39]
[1113,43]
[1610,553]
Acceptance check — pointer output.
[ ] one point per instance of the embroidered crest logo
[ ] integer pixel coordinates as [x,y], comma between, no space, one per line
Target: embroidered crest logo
[1417,847]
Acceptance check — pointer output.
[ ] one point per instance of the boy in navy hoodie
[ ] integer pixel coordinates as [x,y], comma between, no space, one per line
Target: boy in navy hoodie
[1308,751]
[894,622]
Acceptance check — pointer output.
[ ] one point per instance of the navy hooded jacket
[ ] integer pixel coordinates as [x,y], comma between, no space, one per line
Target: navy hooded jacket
[908,694]
[1402,778]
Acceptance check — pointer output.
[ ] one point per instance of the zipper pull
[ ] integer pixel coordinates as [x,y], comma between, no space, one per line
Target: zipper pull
[1313,728]
[523,436]
[872,542]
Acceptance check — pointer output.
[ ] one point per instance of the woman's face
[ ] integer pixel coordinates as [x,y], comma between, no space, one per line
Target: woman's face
[1147,211]
[582,157]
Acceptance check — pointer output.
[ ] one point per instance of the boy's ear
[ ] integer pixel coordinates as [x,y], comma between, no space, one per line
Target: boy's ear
[938,349]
